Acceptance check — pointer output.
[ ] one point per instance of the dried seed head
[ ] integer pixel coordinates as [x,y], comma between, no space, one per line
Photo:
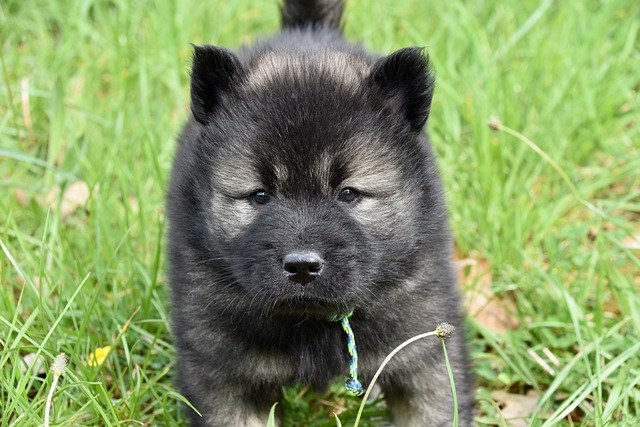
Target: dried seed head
[59,364]
[444,330]
[494,123]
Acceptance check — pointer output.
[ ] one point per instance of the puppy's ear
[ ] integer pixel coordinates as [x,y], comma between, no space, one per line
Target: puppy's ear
[405,81]
[213,73]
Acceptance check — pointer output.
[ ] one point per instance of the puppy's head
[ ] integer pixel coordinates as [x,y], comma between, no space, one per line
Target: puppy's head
[315,184]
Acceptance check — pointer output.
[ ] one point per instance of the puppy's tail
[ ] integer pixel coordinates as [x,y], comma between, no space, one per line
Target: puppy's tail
[312,14]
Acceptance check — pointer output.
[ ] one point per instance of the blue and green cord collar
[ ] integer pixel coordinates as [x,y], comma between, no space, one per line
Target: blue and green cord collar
[354,386]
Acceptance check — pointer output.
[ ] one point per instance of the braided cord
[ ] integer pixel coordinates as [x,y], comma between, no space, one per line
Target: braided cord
[353,384]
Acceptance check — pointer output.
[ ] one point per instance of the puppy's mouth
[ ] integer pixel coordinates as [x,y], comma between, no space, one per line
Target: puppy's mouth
[306,304]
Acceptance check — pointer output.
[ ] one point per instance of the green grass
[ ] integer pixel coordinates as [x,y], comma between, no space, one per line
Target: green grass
[96,91]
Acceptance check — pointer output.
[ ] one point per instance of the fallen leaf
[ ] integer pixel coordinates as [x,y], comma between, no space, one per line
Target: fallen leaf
[481,302]
[517,409]
[631,242]
[32,362]
[21,196]
[74,197]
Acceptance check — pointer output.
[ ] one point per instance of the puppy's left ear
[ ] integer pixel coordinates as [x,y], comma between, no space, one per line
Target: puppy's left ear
[406,82]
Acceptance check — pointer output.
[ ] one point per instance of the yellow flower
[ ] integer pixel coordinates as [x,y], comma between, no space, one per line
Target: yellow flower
[97,358]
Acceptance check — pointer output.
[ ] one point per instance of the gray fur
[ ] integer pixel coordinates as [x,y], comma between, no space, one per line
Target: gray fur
[300,117]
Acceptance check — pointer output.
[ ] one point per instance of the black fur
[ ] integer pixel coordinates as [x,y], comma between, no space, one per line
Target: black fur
[300,117]
[215,70]
[312,13]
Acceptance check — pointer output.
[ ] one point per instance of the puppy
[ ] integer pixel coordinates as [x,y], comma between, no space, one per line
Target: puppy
[304,190]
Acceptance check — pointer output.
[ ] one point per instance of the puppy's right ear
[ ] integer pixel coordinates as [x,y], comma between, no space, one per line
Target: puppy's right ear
[213,73]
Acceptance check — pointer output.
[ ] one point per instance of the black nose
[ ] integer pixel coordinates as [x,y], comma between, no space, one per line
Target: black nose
[302,266]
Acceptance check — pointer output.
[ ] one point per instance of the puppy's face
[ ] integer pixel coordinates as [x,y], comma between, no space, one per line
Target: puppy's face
[312,198]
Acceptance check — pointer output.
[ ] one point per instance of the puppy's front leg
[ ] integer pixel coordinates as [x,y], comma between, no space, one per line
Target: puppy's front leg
[225,407]
[224,394]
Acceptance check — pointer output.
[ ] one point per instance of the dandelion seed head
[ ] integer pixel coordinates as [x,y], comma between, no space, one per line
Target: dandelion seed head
[59,364]
[494,123]
[444,330]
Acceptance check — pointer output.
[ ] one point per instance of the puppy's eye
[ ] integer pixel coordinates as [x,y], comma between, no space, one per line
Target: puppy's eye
[348,195]
[260,197]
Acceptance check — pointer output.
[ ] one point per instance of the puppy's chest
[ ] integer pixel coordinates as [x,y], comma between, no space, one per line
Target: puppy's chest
[311,356]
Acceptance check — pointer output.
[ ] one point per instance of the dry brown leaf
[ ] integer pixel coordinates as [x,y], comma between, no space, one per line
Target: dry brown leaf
[75,196]
[21,196]
[481,302]
[517,409]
